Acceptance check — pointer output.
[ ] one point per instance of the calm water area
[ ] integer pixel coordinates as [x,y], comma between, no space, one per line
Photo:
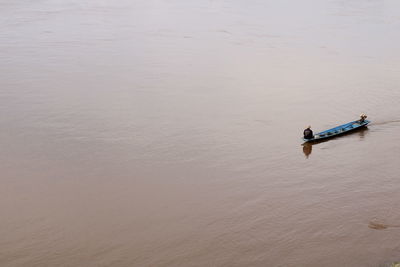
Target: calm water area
[168,133]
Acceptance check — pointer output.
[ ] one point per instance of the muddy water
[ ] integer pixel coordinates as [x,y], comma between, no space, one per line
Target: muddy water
[167,133]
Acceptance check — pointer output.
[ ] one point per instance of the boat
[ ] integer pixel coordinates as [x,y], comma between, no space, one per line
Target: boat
[338,130]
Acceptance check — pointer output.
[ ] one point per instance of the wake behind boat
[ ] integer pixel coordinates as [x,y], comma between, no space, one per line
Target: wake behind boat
[338,130]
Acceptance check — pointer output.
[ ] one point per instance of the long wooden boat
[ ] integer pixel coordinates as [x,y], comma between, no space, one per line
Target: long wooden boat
[338,130]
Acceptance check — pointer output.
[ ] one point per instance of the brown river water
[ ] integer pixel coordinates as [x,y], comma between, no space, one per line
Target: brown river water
[168,133]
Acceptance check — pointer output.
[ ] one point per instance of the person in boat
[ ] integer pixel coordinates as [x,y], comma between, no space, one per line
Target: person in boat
[308,133]
[362,117]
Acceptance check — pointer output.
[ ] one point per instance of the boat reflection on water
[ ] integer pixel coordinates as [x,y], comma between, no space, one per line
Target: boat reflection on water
[362,132]
[307,147]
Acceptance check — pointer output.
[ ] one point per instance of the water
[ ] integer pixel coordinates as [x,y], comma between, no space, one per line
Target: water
[167,133]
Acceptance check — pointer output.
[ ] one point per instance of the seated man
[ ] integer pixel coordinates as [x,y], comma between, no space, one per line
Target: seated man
[362,117]
[308,133]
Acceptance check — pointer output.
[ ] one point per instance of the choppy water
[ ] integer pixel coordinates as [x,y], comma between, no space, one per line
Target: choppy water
[167,133]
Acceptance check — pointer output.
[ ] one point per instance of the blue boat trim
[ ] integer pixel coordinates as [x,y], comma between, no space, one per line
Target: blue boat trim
[338,130]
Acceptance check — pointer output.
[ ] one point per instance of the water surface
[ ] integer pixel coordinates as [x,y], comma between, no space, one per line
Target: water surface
[167,133]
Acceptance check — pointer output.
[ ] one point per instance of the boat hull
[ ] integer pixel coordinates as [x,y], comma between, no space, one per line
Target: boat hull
[338,130]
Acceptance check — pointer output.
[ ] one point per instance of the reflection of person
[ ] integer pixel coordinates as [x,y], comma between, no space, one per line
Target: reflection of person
[307,149]
[362,117]
[308,133]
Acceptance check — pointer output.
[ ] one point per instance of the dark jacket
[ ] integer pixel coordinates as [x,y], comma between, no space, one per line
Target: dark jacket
[308,134]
